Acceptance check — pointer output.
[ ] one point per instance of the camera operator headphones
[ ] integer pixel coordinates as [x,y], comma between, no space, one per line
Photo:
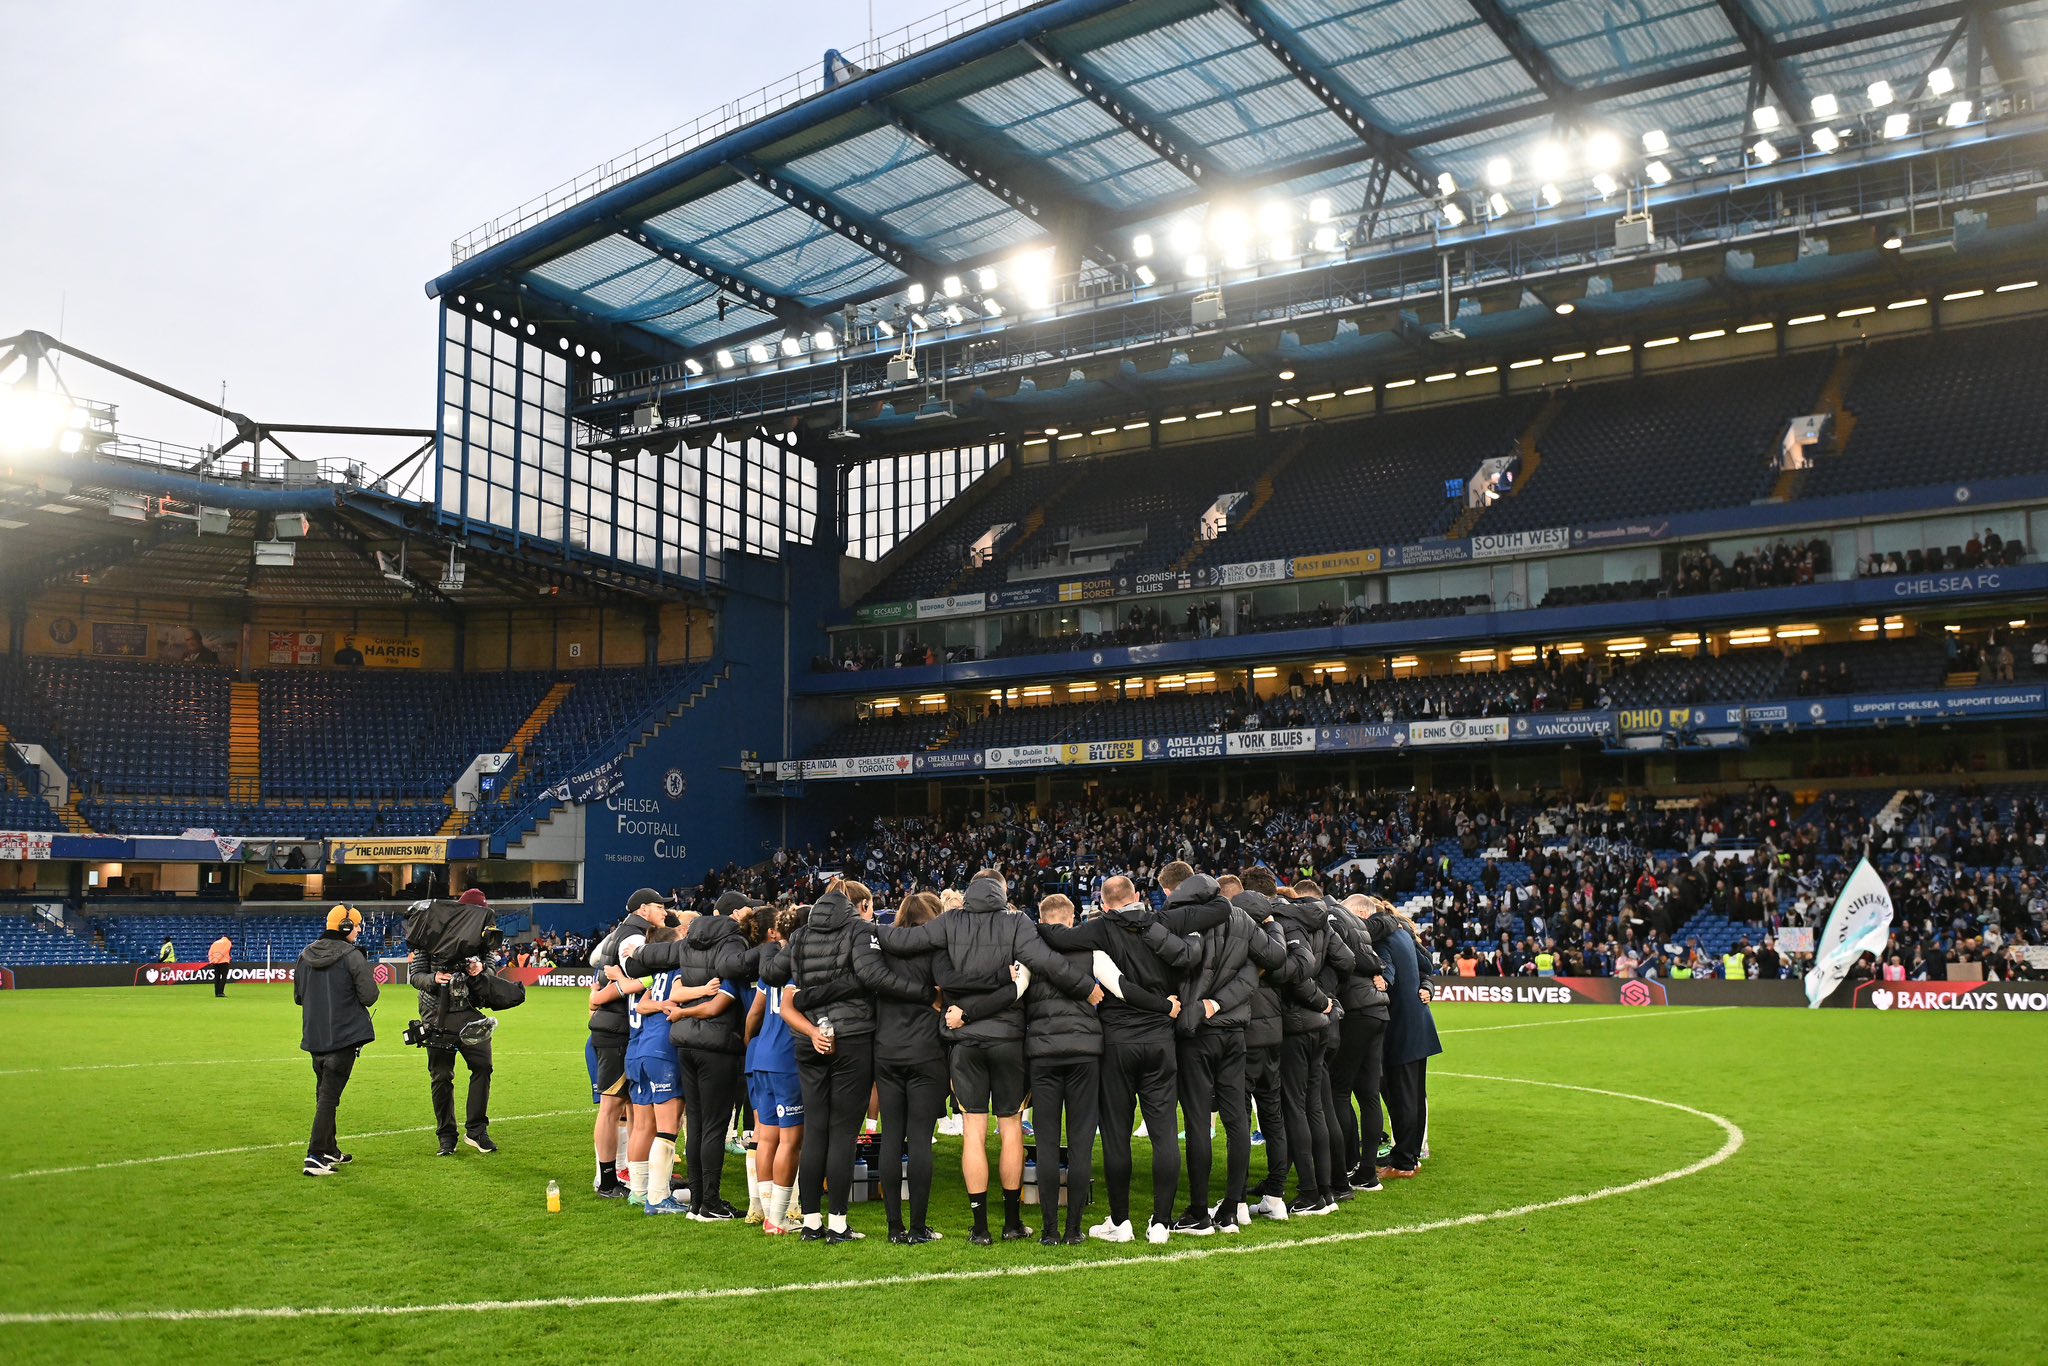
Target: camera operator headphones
[344,918]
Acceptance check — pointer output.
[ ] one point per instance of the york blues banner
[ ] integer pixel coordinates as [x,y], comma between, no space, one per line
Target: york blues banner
[1270,742]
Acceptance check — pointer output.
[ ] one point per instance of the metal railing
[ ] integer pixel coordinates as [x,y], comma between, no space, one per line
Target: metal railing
[876,52]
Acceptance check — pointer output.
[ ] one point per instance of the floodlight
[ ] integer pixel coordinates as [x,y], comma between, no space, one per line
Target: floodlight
[1499,171]
[1184,238]
[883,329]
[1566,309]
[757,353]
[1275,217]
[1453,215]
[791,346]
[693,367]
[1658,172]
[1603,151]
[1237,256]
[1145,275]
[915,293]
[1551,194]
[920,322]
[1227,226]
[823,340]
[1195,266]
[1655,143]
[949,287]
[1763,152]
[1940,81]
[1282,248]
[1879,94]
[1326,238]
[1766,117]
[1550,160]
[1141,245]
[1319,209]
[955,314]
[1826,106]
[724,359]
[71,443]
[1286,375]
[1446,184]
[1497,204]
[1893,239]
[1897,125]
[986,279]
[1825,140]
[1958,114]
[992,307]
[1605,184]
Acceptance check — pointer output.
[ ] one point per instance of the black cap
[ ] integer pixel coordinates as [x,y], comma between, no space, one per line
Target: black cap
[733,901]
[646,896]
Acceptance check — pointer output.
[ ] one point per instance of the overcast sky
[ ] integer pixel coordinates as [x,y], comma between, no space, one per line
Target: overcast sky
[257,192]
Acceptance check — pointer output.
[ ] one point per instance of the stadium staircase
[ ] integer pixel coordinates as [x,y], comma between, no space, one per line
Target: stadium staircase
[245,742]
[632,738]
[15,784]
[1833,401]
[542,713]
[1261,494]
[1033,523]
[1526,452]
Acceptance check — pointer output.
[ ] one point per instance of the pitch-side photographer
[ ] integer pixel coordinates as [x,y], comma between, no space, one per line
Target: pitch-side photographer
[450,1021]
[335,988]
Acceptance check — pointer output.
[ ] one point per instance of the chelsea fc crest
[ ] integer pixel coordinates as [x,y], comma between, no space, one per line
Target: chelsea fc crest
[673,783]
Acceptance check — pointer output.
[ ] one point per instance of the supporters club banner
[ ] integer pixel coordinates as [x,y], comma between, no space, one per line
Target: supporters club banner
[1022,756]
[294,647]
[1185,747]
[387,851]
[1422,554]
[1343,562]
[1103,752]
[952,605]
[949,761]
[1567,725]
[17,845]
[1540,542]
[592,784]
[860,766]
[1369,735]
[1255,571]
[2030,998]
[882,613]
[1029,595]
[1270,742]
[1475,731]
[1619,533]
[1087,590]
[1162,581]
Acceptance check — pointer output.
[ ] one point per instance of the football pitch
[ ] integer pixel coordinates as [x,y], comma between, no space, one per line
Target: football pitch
[1606,1185]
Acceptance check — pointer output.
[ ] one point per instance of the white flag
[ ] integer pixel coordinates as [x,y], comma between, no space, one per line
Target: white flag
[1860,923]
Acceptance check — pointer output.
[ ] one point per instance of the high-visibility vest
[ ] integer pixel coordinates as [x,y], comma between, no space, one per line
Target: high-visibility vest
[1681,973]
[1732,967]
[1546,965]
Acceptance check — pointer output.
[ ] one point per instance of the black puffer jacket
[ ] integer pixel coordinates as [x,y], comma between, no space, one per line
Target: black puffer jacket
[1357,991]
[1057,1025]
[1228,974]
[822,955]
[713,948]
[907,1029]
[1262,1028]
[335,987]
[1304,1007]
[1151,951]
[972,950]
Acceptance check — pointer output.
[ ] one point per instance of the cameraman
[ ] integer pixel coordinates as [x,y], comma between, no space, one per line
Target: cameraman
[434,986]
[335,989]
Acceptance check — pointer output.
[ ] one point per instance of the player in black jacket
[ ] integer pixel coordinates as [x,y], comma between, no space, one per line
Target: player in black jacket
[1305,1027]
[1145,951]
[1210,1049]
[1355,1066]
[835,1054]
[975,946]
[1063,1051]
[910,1075]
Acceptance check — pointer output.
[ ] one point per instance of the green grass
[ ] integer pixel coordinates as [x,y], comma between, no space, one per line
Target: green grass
[1889,1203]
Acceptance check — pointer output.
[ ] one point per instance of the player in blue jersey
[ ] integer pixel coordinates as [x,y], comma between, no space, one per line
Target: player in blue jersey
[773,1090]
[652,1080]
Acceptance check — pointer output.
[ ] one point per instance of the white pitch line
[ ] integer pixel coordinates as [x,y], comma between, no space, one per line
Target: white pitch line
[1731,1144]
[261,1147]
[1634,1013]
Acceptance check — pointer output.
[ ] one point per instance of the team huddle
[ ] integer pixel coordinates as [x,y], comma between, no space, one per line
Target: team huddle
[1235,994]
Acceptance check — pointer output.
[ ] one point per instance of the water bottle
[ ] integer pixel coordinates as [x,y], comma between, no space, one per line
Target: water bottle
[554,1198]
[826,1031]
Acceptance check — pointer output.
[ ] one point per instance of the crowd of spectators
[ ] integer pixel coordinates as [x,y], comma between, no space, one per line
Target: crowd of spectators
[1602,888]
[1780,564]
[1980,551]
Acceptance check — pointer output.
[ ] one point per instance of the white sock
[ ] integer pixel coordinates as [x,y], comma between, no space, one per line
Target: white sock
[625,1140]
[837,1223]
[871,1126]
[661,1170]
[753,1187]
[778,1204]
[636,1178]
[814,1220]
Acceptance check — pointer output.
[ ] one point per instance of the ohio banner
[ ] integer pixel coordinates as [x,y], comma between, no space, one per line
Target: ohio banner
[388,851]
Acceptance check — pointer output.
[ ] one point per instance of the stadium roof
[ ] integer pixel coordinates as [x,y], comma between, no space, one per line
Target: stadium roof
[1082,123]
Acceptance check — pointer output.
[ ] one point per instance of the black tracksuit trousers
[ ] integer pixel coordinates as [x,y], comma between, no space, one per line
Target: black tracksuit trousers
[441,1083]
[1069,1087]
[835,1087]
[913,1098]
[1355,1076]
[1308,1126]
[1140,1074]
[711,1084]
[1212,1080]
[1262,1079]
[330,1078]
